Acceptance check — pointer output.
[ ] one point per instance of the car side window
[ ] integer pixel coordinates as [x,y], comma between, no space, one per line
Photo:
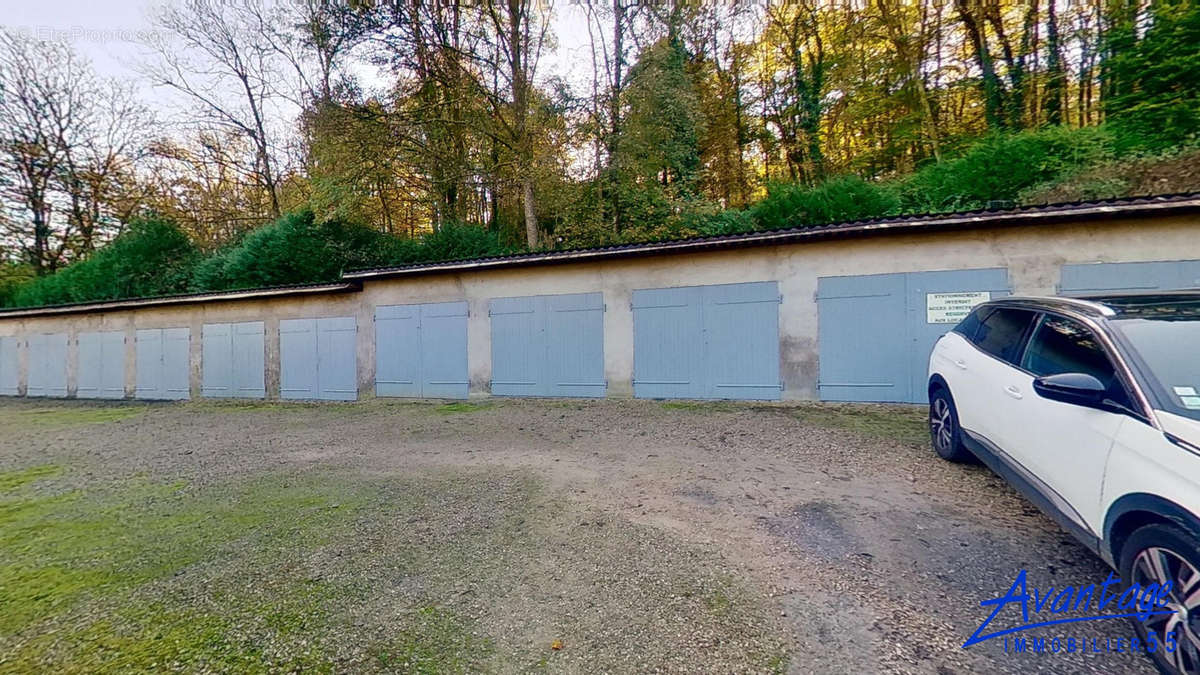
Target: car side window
[1061,345]
[970,325]
[1002,333]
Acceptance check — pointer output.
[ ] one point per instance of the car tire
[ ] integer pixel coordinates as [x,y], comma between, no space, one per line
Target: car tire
[1178,559]
[944,432]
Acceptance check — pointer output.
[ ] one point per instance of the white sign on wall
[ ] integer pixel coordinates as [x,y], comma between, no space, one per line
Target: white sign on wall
[952,307]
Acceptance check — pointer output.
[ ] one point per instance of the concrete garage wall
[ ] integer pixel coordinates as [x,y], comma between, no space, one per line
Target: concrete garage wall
[1032,254]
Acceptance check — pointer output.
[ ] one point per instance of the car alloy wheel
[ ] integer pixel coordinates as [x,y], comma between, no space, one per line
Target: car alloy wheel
[941,425]
[1158,565]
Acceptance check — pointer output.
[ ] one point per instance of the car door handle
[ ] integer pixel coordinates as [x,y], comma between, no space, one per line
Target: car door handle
[1013,392]
[962,365]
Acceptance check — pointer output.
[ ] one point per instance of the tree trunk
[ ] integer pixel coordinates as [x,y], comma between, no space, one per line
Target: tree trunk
[531,223]
[41,239]
[524,141]
[912,64]
[614,114]
[993,93]
[1056,82]
[1014,97]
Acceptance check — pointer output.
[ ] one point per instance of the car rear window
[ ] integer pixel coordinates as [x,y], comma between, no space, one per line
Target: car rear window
[1002,333]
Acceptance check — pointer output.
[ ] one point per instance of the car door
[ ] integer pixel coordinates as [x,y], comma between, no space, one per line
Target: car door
[949,357]
[985,409]
[1065,446]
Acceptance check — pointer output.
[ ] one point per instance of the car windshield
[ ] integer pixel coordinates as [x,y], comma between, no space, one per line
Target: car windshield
[1167,348]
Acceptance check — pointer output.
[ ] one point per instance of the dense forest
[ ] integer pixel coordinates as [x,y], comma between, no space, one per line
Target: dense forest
[315,136]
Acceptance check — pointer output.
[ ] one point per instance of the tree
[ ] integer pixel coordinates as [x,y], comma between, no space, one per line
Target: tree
[151,257]
[659,141]
[68,142]
[205,183]
[1155,77]
[221,58]
[794,79]
[99,167]
[910,50]
[359,172]
[315,37]
[518,32]
[972,15]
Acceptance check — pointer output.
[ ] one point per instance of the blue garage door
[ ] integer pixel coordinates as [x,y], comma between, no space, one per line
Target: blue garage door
[548,345]
[101,368]
[707,342]
[9,365]
[1133,276]
[162,363]
[232,360]
[875,332]
[318,359]
[421,350]
[47,365]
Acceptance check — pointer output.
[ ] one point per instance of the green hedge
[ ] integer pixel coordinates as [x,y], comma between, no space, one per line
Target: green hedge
[13,275]
[156,258]
[152,257]
[295,249]
[837,199]
[453,241]
[999,166]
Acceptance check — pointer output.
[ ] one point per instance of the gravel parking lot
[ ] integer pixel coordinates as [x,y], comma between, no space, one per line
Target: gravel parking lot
[512,535]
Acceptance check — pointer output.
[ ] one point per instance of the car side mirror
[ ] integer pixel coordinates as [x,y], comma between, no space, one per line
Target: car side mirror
[1074,388]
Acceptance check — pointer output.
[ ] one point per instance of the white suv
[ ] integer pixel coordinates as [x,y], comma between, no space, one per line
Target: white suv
[1091,408]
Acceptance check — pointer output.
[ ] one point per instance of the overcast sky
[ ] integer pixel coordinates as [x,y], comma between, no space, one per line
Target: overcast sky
[105,32]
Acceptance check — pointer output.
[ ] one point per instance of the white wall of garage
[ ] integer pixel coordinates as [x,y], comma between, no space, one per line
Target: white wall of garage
[1033,255]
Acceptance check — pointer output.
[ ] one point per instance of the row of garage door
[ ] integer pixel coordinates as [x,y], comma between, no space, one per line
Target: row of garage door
[162,371]
[233,363]
[874,332]
[694,342]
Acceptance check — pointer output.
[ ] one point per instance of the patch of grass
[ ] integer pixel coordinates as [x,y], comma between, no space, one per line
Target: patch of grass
[703,406]
[235,405]
[71,547]
[67,416]
[778,663]
[157,636]
[144,576]
[433,640]
[10,480]
[242,405]
[461,407]
[906,424]
[717,602]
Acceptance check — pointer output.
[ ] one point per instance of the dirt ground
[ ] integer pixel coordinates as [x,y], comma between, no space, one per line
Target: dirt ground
[512,536]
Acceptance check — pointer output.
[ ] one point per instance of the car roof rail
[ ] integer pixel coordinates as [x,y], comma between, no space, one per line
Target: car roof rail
[1100,307]
[1052,300]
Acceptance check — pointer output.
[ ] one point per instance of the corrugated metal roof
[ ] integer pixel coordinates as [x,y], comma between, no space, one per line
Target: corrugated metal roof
[182,299]
[1052,213]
